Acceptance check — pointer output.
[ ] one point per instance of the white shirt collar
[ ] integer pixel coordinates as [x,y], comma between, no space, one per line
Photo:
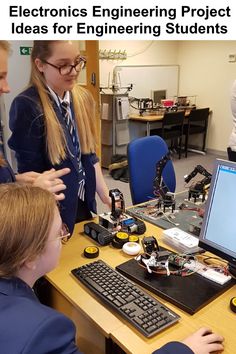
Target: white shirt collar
[58,99]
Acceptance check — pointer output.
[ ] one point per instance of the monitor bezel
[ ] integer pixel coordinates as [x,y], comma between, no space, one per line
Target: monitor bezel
[203,243]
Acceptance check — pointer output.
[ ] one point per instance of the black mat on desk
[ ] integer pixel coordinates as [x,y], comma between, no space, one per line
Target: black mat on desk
[189,293]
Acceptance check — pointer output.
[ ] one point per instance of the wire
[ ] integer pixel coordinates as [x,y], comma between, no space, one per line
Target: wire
[141,51]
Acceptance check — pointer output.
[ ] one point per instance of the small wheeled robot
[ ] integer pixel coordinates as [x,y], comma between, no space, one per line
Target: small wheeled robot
[115,221]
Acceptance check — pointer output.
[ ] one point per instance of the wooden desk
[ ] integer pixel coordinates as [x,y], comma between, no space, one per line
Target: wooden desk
[149,119]
[95,323]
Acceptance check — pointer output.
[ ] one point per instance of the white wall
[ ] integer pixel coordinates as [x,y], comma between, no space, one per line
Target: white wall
[204,71]
[139,53]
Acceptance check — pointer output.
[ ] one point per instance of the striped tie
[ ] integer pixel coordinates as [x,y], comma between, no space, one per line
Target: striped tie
[65,108]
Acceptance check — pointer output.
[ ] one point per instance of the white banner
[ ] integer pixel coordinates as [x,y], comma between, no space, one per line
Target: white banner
[118,20]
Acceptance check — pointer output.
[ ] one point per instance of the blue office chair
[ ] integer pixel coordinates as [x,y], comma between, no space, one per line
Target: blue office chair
[143,155]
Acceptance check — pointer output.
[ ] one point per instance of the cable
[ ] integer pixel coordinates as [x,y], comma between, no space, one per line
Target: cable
[141,51]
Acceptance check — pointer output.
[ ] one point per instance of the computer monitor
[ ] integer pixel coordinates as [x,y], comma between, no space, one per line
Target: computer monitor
[158,95]
[218,232]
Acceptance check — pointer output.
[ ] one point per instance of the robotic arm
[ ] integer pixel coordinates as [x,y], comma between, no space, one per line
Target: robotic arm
[160,188]
[117,203]
[201,186]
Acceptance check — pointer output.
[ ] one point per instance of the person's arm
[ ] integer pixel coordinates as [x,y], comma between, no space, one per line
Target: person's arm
[49,180]
[28,135]
[101,187]
[202,341]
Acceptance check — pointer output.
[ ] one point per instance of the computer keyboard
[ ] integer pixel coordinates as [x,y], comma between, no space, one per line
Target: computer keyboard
[143,311]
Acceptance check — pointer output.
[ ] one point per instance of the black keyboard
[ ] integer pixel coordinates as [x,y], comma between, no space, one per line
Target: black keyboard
[143,311]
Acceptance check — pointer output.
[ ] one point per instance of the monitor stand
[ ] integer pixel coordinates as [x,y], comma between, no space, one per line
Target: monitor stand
[232,269]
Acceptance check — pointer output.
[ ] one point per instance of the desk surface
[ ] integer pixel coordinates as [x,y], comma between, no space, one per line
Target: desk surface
[216,315]
[151,117]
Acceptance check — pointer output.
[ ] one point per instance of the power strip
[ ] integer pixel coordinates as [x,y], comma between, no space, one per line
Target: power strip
[181,240]
[207,272]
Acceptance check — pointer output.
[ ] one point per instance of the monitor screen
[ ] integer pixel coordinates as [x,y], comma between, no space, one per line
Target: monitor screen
[158,95]
[218,232]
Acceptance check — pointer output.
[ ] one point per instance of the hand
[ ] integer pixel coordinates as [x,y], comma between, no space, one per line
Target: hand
[204,341]
[27,177]
[50,180]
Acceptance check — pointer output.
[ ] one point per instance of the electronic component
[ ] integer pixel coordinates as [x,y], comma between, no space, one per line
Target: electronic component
[166,199]
[91,252]
[144,312]
[233,304]
[111,223]
[199,188]
[207,272]
[133,238]
[177,260]
[98,233]
[150,244]
[120,239]
[131,248]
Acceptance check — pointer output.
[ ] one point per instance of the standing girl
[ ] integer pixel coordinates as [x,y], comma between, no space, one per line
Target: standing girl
[53,126]
[48,180]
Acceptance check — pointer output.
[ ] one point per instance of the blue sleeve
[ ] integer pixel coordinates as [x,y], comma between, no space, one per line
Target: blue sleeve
[56,334]
[94,158]
[28,135]
[174,348]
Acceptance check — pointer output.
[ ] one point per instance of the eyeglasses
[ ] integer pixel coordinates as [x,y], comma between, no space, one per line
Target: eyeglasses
[67,69]
[64,234]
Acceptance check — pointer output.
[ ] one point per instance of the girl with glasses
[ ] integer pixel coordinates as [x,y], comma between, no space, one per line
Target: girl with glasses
[50,179]
[30,245]
[53,126]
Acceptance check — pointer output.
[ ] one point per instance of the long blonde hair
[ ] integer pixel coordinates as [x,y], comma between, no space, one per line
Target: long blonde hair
[2,160]
[83,104]
[4,45]
[26,217]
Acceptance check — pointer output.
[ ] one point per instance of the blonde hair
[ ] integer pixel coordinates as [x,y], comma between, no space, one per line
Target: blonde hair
[4,45]
[83,104]
[2,160]
[26,217]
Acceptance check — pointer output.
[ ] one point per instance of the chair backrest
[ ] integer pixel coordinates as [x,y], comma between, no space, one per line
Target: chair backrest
[173,118]
[199,115]
[143,155]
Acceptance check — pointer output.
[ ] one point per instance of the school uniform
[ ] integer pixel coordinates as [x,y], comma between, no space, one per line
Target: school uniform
[6,173]
[30,327]
[28,140]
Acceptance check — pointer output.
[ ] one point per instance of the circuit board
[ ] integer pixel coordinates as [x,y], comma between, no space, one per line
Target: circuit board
[185,215]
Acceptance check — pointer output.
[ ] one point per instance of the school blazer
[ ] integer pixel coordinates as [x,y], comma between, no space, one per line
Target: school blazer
[6,174]
[28,141]
[30,327]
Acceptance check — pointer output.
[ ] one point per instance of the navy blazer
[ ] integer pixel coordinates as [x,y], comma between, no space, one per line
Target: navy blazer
[28,141]
[174,348]
[28,327]
[6,174]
